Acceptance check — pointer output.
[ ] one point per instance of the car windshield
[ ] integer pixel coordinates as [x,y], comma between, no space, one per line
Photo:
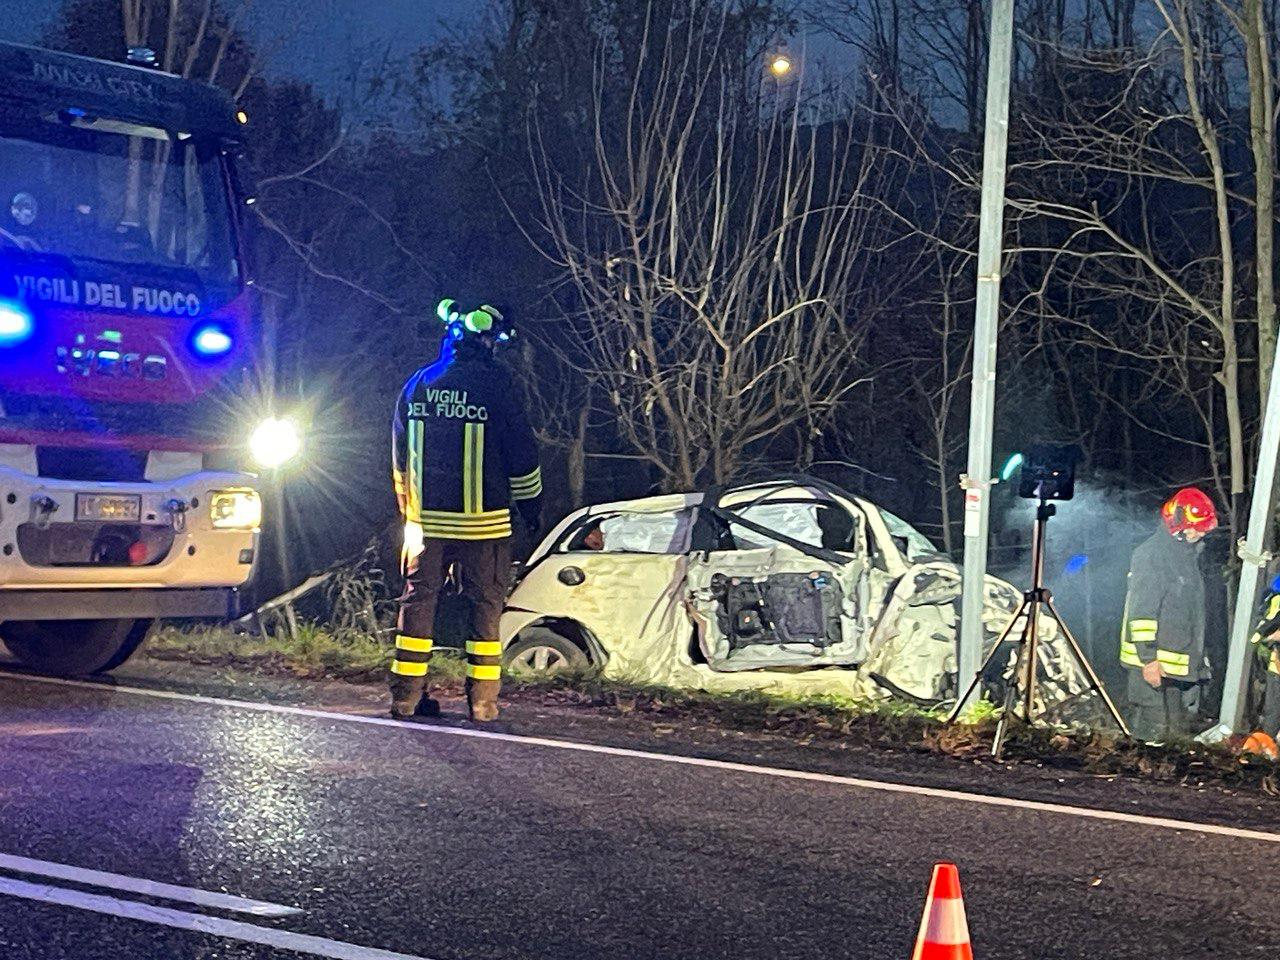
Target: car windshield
[104,190]
[913,544]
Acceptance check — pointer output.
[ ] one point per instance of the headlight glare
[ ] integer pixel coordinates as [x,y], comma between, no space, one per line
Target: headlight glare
[275,442]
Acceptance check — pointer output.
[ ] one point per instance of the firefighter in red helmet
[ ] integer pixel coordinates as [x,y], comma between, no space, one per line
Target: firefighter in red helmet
[1162,643]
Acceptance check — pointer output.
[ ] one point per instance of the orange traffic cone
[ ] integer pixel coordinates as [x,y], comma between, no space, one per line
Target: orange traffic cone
[944,932]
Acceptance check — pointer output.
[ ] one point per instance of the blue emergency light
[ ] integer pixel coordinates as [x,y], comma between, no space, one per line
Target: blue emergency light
[211,341]
[1076,563]
[16,323]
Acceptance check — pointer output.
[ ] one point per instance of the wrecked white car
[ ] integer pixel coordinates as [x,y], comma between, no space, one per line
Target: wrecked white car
[789,586]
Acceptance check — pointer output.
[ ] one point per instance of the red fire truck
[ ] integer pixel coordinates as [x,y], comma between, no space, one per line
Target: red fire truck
[126,348]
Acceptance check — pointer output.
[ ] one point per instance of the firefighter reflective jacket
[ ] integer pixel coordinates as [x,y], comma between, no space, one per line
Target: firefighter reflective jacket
[1164,611]
[1268,624]
[462,450]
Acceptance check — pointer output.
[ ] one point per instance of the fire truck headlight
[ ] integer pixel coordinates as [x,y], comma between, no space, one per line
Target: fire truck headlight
[16,323]
[235,510]
[275,442]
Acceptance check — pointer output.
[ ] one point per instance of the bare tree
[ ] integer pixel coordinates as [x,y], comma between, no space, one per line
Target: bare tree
[712,261]
[938,379]
[1126,207]
[931,48]
[1252,21]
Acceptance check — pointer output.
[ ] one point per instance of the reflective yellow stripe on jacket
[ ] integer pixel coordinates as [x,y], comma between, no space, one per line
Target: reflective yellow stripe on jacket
[1140,631]
[413,479]
[528,486]
[490,525]
[473,468]
[1172,663]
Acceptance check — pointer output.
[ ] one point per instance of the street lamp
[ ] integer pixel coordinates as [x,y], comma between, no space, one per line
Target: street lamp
[780,65]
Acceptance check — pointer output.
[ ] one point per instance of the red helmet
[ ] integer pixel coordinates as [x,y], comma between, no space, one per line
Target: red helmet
[1189,509]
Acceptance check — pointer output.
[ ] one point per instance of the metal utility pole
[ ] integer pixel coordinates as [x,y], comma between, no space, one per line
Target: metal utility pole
[977,482]
[1254,558]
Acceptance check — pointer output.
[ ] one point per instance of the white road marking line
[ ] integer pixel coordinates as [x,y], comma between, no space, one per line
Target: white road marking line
[181,920]
[146,888]
[784,773]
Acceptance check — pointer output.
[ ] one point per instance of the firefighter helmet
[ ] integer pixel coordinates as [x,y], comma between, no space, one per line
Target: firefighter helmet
[1189,509]
[483,320]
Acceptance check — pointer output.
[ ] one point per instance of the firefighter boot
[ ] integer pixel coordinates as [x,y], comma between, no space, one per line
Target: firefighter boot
[482,699]
[409,670]
[428,708]
[484,679]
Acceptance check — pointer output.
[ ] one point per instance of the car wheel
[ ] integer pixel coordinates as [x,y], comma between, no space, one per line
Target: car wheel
[542,652]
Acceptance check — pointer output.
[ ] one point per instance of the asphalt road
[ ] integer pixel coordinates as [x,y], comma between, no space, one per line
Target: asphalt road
[442,846]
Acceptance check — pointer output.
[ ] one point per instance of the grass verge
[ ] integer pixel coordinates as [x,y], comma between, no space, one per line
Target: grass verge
[318,653]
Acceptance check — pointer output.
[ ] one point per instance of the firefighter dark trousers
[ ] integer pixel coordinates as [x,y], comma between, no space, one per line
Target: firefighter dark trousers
[1160,713]
[483,568]
[1271,704]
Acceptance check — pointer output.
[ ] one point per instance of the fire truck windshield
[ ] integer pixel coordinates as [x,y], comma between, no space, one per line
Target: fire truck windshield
[96,189]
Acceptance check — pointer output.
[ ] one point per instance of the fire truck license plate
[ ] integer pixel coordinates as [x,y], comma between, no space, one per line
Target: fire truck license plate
[95,506]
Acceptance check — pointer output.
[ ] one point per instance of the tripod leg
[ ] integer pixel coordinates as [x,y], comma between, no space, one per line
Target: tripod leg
[1089,671]
[1032,662]
[977,677]
[1010,697]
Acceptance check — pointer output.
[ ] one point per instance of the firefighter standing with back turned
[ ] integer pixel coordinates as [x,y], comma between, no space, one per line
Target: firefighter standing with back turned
[1162,644]
[463,454]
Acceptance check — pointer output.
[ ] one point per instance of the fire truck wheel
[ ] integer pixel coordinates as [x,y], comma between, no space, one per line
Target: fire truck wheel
[141,630]
[71,648]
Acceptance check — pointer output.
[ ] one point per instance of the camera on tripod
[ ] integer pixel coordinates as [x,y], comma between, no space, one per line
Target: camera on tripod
[1048,473]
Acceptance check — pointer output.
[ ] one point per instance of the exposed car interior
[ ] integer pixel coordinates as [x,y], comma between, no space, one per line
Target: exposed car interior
[624,532]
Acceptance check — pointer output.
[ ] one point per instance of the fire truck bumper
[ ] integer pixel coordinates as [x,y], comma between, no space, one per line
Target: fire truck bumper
[180,546]
[27,604]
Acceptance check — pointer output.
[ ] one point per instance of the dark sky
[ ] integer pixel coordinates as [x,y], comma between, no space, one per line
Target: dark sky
[327,46]
[321,48]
